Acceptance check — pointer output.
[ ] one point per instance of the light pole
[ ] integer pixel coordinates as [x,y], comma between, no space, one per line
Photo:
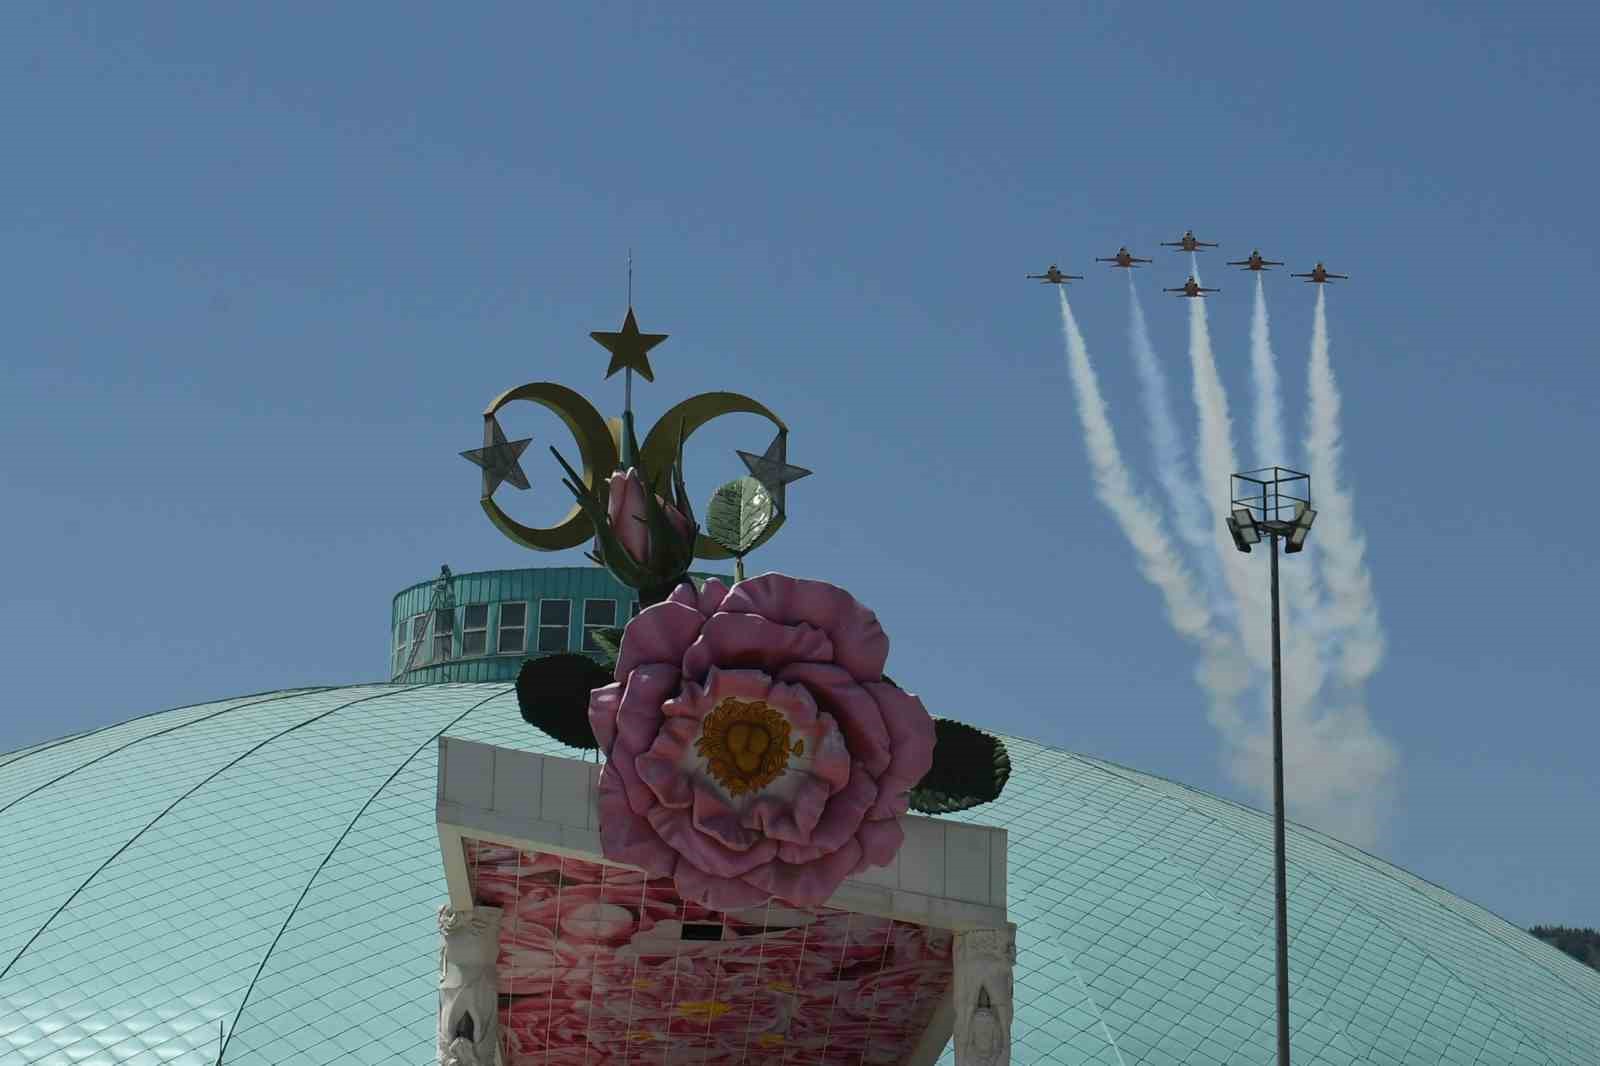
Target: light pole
[1282,500]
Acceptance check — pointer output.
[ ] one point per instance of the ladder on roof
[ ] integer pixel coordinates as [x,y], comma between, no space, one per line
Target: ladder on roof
[442,600]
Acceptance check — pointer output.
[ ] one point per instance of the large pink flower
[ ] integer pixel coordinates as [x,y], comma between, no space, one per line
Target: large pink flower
[753,747]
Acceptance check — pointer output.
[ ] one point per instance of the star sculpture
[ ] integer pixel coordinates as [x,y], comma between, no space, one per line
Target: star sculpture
[628,347]
[773,470]
[499,459]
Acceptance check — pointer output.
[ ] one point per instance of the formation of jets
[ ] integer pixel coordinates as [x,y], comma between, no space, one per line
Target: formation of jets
[1125,259]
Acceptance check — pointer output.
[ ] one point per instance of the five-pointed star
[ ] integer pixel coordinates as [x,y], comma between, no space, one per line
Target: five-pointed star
[773,470]
[628,347]
[499,458]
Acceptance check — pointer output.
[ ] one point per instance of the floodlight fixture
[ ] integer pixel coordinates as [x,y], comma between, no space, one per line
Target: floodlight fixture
[1247,524]
[1296,541]
[1237,533]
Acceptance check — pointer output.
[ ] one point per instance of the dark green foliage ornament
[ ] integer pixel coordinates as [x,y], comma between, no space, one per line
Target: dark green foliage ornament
[970,767]
[553,695]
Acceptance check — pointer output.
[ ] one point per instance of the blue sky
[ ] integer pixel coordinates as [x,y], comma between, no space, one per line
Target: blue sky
[264,268]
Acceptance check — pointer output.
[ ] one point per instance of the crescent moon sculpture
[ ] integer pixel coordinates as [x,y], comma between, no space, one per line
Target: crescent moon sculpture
[596,447]
[661,445]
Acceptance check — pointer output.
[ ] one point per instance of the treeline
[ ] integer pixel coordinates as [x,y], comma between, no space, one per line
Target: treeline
[1581,944]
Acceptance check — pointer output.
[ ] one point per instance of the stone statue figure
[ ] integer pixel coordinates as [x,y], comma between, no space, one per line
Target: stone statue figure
[984,960]
[469,1019]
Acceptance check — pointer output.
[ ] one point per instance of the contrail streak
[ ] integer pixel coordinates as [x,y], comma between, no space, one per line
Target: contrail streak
[1264,368]
[1352,612]
[1172,468]
[1141,525]
[1222,672]
[1217,467]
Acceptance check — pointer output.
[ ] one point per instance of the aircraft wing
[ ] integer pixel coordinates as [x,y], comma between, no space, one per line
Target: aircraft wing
[1206,244]
[1271,262]
[1136,259]
[1239,262]
[1342,277]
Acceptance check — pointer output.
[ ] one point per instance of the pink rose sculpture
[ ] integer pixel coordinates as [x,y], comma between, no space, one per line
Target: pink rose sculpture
[753,748]
[628,517]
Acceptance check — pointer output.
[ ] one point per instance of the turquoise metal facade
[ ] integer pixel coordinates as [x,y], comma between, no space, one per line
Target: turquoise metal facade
[499,660]
[265,870]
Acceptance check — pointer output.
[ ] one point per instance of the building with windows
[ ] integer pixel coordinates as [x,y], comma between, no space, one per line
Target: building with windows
[255,881]
[481,626]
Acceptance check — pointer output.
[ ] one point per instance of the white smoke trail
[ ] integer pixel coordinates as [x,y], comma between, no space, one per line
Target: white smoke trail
[1222,671]
[1264,369]
[1217,467]
[1172,468]
[1141,525]
[1352,612]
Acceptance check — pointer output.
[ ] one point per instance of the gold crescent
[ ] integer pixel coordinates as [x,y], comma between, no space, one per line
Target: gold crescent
[660,450]
[595,446]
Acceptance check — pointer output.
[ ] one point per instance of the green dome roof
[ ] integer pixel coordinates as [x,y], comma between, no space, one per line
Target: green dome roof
[267,867]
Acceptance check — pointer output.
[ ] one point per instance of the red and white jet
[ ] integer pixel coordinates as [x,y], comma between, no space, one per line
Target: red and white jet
[1123,258]
[1191,289]
[1053,276]
[1319,276]
[1188,243]
[1255,262]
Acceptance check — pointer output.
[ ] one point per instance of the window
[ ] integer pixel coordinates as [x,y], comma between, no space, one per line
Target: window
[555,618]
[597,614]
[419,630]
[474,629]
[401,644]
[513,629]
[444,625]
[633,612]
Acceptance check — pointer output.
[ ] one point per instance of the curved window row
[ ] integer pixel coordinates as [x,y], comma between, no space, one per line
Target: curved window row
[475,630]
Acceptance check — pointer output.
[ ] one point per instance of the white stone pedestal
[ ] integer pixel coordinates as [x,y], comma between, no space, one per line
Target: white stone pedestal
[984,960]
[469,1017]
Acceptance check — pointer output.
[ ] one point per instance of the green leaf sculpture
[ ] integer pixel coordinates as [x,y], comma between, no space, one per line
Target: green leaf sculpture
[553,695]
[969,767]
[739,515]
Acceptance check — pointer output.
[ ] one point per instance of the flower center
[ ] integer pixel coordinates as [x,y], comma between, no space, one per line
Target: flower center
[745,743]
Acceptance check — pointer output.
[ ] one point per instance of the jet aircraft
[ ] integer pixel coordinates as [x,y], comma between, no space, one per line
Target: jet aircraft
[1319,276]
[1123,258]
[1255,262]
[1188,243]
[1053,276]
[1191,288]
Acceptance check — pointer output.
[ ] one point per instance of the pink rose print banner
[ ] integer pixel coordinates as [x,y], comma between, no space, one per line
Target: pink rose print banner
[601,965]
